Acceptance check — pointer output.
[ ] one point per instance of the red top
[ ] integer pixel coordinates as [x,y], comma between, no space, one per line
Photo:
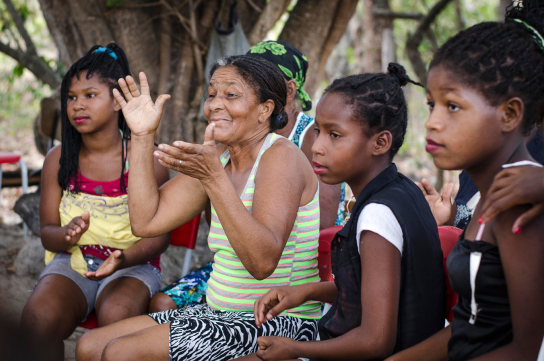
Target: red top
[106,189]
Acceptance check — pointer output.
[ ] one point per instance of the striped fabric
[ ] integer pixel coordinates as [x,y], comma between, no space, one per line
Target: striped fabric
[232,288]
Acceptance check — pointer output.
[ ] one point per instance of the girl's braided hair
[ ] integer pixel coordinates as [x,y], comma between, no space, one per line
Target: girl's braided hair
[378,101]
[502,60]
[109,65]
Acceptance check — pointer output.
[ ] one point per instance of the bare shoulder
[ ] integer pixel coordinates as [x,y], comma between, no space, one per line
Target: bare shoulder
[52,158]
[285,157]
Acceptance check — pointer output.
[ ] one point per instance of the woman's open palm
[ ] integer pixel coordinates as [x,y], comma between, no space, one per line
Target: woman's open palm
[142,115]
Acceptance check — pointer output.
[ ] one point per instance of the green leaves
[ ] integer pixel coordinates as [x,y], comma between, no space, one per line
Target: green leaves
[18,70]
[114,3]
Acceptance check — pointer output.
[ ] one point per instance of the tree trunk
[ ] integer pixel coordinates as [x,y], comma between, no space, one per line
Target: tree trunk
[315,27]
[373,30]
[168,40]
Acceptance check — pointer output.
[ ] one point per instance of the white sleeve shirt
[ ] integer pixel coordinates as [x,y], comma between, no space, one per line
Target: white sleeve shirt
[379,218]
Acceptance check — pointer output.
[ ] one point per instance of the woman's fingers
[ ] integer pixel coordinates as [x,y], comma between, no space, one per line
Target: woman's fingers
[185,147]
[119,98]
[124,88]
[498,202]
[159,103]
[170,162]
[144,85]
[132,87]
[536,211]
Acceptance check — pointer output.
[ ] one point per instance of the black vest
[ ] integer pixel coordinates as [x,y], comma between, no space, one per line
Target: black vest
[422,287]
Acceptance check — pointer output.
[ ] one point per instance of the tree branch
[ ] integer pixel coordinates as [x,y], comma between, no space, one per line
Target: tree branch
[19,23]
[386,13]
[268,17]
[414,40]
[33,63]
[254,6]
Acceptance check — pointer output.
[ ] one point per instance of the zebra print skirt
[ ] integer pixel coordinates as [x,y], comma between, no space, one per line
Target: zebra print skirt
[202,333]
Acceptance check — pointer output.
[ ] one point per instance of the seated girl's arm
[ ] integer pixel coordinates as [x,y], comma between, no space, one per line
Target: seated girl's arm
[522,260]
[153,211]
[54,237]
[279,299]
[376,336]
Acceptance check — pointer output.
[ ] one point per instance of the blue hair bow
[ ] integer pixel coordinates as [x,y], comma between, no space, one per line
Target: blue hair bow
[107,51]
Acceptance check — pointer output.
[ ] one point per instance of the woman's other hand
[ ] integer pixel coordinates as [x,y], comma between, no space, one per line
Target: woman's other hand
[142,115]
[110,265]
[440,203]
[75,229]
[515,186]
[276,348]
[195,160]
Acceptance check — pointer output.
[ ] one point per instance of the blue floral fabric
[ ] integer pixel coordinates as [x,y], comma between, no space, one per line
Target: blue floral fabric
[191,289]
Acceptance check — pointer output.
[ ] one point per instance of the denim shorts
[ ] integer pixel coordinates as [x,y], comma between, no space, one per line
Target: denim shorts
[60,265]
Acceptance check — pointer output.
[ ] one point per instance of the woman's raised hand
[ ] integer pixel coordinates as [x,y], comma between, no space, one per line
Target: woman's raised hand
[199,161]
[142,115]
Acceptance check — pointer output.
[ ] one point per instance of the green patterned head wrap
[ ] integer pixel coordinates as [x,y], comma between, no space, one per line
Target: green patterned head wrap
[290,60]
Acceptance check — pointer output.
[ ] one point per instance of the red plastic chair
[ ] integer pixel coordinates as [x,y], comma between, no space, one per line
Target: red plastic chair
[448,237]
[10,158]
[183,236]
[324,252]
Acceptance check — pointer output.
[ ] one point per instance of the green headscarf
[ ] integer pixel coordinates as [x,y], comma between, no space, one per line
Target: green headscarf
[290,60]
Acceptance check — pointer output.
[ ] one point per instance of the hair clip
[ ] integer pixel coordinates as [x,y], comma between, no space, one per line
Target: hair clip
[107,51]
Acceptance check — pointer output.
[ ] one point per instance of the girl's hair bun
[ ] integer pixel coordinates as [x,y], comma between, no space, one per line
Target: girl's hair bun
[529,11]
[399,73]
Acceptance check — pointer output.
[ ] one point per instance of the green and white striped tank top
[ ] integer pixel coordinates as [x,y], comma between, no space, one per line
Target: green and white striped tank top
[232,288]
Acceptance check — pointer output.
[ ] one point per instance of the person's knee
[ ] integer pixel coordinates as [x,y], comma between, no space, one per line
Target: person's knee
[115,351]
[113,311]
[41,323]
[86,347]
[161,302]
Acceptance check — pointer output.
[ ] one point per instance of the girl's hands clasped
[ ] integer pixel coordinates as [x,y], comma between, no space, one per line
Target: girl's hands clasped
[142,115]
[199,161]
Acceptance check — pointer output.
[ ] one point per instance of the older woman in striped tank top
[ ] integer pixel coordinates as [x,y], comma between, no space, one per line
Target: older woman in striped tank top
[265,218]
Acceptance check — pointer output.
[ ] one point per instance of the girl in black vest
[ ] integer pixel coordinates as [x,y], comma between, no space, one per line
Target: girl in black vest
[485,92]
[389,283]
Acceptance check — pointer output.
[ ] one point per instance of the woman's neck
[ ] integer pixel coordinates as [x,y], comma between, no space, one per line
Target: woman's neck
[244,154]
[103,141]
[483,173]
